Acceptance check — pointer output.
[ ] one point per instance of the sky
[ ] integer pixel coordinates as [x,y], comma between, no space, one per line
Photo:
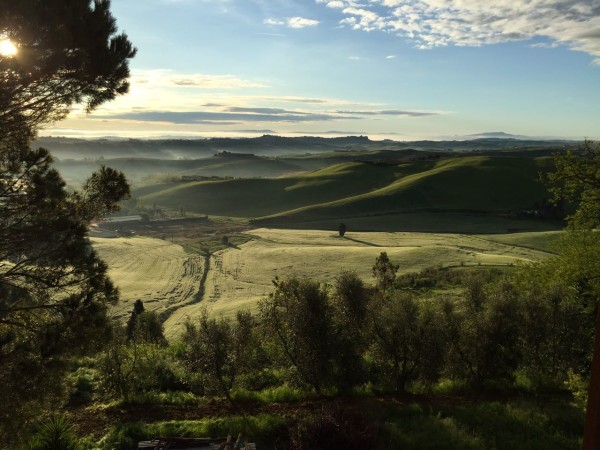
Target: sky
[396,69]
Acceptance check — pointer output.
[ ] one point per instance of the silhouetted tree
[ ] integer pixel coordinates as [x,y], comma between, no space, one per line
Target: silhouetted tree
[342,229]
[350,301]
[138,308]
[144,326]
[53,288]
[86,62]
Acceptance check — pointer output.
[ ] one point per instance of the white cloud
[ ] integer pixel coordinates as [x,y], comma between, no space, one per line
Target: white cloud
[435,23]
[301,22]
[164,88]
[272,21]
[335,4]
[365,19]
[390,57]
[292,22]
[168,78]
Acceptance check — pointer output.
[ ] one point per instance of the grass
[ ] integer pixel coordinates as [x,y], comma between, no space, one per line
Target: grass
[521,424]
[262,429]
[166,398]
[545,241]
[513,425]
[259,197]
[425,222]
[358,189]
[144,169]
[165,275]
[240,277]
[454,184]
[278,394]
[158,272]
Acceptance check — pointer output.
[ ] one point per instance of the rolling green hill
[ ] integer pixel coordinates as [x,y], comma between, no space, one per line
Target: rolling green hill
[474,184]
[225,165]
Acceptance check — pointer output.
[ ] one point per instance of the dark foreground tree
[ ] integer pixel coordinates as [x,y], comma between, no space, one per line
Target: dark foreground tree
[384,271]
[299,319]
[53,288]
[577,178]
[68,52]
[349,301]
[219,351]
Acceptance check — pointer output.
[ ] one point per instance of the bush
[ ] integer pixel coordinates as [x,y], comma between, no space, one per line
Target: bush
[56,434]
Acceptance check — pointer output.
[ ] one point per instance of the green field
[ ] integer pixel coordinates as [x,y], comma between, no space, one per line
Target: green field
[164,276]
[466,184]
[240,277]
[159,273]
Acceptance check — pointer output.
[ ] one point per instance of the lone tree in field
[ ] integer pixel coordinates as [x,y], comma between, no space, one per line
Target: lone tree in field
[342,229]
[54,290]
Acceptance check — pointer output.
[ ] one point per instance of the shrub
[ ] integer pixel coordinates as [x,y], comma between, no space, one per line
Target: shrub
[56,434]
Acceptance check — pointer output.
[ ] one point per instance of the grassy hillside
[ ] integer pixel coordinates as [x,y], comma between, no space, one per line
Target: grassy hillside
[159,273]
[475,183]
[137,169]
[262,197]
[480,184]
[240,276]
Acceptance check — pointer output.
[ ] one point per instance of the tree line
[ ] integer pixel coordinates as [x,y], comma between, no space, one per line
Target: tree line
[526,325]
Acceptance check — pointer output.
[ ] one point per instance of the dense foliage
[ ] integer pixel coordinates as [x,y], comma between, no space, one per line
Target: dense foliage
[527,328]
[54,290]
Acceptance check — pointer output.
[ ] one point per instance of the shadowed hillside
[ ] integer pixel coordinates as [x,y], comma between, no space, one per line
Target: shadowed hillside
[463,184]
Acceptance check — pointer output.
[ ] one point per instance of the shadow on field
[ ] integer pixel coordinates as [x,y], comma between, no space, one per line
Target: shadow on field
[370,244]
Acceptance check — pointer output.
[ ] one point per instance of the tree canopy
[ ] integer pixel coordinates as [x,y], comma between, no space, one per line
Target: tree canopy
[68,52]
[54,290]
[577,179]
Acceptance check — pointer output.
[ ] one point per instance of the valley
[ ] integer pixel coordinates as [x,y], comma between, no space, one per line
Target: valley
[165,277]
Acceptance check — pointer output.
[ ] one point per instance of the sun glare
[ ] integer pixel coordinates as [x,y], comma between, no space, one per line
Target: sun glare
[7,48]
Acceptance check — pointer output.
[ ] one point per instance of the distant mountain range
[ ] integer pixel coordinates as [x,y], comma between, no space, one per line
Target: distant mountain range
[271,145]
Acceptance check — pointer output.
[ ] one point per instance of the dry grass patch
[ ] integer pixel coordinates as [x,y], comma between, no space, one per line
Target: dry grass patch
[158,272]
[239,277]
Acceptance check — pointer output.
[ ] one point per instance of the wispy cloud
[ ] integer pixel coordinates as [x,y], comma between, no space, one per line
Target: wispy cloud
[292,22]
[272,21]
[435,23]
[170,78]
[391,112]
[229,115]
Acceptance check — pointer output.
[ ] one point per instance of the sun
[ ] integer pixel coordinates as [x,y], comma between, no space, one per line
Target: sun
[7,48]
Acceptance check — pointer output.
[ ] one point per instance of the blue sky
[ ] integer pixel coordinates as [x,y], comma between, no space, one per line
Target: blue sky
[387,68]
